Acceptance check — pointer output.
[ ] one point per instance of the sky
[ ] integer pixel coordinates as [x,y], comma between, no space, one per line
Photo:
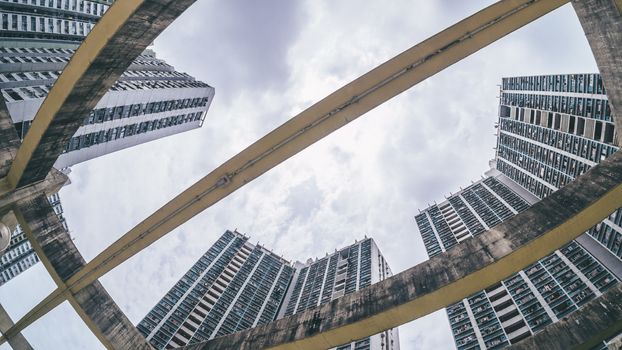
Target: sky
[268,61]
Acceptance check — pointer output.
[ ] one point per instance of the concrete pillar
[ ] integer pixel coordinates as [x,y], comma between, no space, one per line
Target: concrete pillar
[62,259]
[602,23]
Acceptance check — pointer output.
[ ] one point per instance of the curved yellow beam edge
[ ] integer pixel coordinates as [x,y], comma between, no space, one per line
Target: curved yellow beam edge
[114,19]
[473,265]
[318,121]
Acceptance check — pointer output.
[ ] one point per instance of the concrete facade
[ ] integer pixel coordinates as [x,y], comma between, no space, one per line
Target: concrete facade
[149,101]
[233,286]
[236,285]
[343,272]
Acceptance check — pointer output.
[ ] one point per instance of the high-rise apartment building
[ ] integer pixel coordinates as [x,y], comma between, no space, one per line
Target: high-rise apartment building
[150,100]
[20,255]
[233,286]
[526,302]
[345,271]
[237,285]
[551,129]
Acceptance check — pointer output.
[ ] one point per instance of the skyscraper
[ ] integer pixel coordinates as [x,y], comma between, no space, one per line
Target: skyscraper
[233,286]
[551,129]
[150,100]
[345,271]
[237,285]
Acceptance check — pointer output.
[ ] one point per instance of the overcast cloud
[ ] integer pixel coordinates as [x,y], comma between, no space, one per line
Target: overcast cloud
[268,61]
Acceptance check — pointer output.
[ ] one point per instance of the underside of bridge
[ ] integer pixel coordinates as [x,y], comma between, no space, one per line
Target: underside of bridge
[27,176]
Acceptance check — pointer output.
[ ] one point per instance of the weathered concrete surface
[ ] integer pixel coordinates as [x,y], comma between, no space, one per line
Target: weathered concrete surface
[465,269]
[18,341]
[126,29]
[52,184]
[9,141]
[602,23]
[597,320]
[62,259]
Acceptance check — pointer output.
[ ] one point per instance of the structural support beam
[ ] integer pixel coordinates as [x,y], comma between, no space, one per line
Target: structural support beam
[62,259]
[602,23]
[18,341]
[9,142]
[599,319]
[126,29]
[467,268]
[52,184]
[336,110]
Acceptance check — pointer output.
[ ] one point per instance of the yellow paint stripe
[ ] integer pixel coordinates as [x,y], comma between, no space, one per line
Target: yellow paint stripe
[321,119]
[116,16]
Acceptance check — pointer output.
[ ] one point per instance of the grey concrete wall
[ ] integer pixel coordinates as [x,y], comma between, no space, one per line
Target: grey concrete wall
[602,24]
[62,259]
[599,319]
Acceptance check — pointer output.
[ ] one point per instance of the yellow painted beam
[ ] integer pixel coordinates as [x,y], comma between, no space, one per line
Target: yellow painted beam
[336,110]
